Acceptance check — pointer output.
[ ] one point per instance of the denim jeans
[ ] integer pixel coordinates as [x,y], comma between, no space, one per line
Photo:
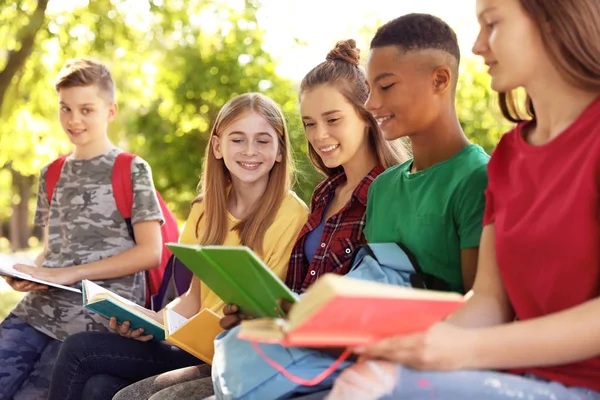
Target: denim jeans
[26,360]
[96,365]
[379,380]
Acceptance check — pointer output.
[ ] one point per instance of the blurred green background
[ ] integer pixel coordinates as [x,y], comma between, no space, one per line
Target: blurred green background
[175,64]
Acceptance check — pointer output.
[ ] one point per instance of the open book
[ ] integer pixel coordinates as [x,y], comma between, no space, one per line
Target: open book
[195,335]
[108,304]
[6,269]
[237,276]
[339,311]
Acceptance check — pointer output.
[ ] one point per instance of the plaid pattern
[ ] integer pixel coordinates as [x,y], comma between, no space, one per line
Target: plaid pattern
[342,234]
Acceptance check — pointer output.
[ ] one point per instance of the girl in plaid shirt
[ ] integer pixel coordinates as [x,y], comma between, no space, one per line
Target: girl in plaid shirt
[346,146]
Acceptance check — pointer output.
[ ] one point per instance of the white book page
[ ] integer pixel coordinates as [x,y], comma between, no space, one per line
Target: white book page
[92,289]
[173,321]
[7,269]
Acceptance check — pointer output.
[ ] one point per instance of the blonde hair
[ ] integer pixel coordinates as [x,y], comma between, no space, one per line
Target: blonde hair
[86,72]
[216,178]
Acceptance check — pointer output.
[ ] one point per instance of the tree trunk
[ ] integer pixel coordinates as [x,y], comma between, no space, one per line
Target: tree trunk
[26,37]
[20,230]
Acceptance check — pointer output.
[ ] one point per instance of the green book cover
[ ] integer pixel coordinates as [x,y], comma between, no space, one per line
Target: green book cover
[237,275]
[108,304]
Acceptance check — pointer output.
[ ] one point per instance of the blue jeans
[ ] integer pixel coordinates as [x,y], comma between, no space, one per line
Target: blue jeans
[374,380]
[96,365]
[26,360]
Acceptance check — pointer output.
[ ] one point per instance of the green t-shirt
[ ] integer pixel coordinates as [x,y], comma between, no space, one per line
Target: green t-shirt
[435,212]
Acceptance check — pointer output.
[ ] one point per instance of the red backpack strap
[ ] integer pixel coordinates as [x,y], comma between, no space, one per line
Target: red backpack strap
[121,183]
[53,175]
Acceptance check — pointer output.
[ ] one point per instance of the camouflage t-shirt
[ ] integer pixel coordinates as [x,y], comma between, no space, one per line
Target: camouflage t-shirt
[85,226]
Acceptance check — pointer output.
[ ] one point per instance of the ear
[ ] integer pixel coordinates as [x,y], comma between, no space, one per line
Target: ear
[279,157]
[112,112]
[442,79]
[216,147]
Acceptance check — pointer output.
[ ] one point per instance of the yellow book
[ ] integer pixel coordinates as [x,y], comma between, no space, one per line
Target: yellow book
[195,335]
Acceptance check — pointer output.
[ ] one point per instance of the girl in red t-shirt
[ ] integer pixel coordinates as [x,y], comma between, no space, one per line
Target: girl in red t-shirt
[535,306]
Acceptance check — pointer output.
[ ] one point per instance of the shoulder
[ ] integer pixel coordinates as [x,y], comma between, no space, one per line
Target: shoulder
[196,210]
[389,175]
[292,212]
[188,231]
[292,204]
[505,150]
[473,176]
[44,171]
[139,165]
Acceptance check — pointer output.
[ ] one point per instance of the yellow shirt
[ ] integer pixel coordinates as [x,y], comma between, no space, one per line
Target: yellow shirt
[278,242]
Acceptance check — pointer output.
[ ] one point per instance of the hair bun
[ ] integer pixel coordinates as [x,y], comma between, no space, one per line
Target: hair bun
[345,50]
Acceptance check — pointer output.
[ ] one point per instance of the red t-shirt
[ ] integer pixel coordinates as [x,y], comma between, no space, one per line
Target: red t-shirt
[545,202]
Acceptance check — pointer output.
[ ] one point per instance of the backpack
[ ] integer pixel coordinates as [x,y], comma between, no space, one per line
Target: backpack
[286,372]
[157,279]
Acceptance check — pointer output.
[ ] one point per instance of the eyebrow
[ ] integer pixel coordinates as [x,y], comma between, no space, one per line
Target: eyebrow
[382,76]
[244,133]
[80,105]
[326,113]
[485,11]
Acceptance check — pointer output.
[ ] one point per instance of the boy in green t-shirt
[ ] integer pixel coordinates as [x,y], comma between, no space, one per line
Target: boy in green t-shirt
[433,203]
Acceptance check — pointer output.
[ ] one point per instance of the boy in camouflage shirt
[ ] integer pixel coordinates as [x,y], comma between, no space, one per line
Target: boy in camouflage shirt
[85,236]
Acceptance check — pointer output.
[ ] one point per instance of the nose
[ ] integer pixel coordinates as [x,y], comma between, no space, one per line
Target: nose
[480,46]
[74,118]
[321,131]
[372,102]
[250,148]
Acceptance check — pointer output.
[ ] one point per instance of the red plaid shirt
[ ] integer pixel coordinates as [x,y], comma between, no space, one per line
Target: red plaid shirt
[342,234]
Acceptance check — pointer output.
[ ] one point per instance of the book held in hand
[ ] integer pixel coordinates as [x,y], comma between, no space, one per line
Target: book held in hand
[109,304]
[339,311]
[237,275]
[7,269]
[195,335]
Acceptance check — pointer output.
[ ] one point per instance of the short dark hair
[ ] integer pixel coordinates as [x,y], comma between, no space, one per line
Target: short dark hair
[418,32]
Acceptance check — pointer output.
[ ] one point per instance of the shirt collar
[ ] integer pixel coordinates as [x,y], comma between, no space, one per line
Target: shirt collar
[327,189]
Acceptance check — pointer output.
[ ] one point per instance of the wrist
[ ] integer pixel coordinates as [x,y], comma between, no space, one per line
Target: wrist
[78,273]
[478,352]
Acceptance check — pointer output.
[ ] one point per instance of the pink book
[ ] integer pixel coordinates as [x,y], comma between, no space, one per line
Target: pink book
[339,311]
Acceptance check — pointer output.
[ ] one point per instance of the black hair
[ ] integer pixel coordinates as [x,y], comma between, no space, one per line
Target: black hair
[418,32]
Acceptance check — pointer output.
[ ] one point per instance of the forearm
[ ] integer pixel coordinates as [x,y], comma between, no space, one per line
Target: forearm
[482,311]
[188,304]
[138,258]
[541,341]
[39,260]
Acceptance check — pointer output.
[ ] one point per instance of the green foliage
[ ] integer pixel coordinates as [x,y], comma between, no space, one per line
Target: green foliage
[172,129]
[477,106]
[175,63]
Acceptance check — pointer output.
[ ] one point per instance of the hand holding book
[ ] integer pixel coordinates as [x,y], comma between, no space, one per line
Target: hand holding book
[23,277]
[442,347]
[22,285]
[125,330]
[233,317]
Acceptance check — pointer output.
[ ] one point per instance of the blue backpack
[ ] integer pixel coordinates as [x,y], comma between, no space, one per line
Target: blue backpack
[240,372]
